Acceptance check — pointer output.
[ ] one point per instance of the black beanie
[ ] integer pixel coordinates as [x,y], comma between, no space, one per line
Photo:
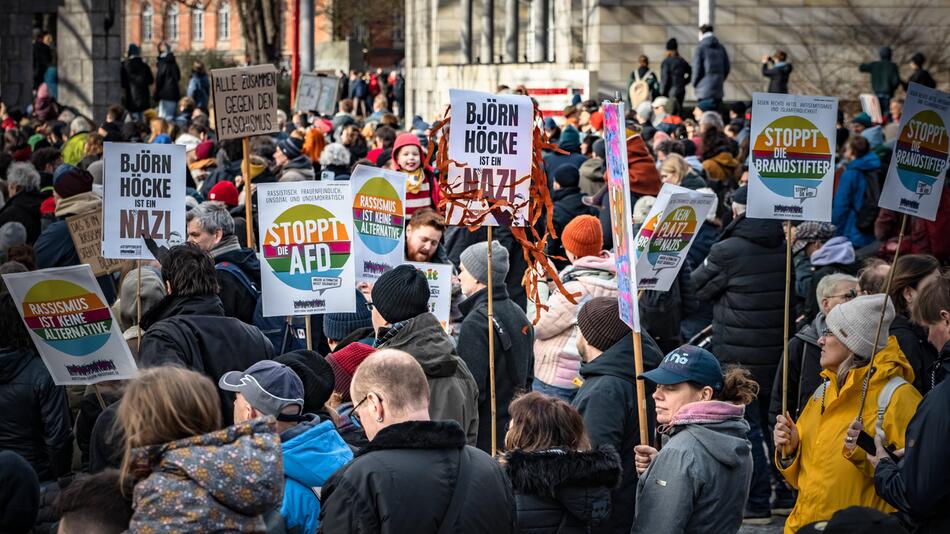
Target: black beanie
[600,323]
[315,373]
[567,176]
[672,44]
[401,293]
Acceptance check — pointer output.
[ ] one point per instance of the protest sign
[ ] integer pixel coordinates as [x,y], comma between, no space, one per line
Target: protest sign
[143,195]
[618,187]
[245,101]
[439,276]
[71,325]
[871,105]
[491,139]
[662,249]
[306,233]
[86,232]
[316,93]
[918,169]
[793,154]
[379,199]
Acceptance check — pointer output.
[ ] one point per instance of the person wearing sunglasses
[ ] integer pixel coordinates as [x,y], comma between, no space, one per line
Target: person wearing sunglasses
[416,475]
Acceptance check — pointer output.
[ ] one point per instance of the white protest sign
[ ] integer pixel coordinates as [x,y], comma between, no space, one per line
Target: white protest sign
[918,169]
[379,200]
[871,105]
[491,136]
[316,93]
[439,276]
[71,325]
[245,101]
[143,195]
[662,248]
[307,263]
[791,175]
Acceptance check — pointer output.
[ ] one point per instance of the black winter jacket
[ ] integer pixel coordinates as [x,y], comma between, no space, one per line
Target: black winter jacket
[562,492]
[514,357]
[167,79]
[919,485]
[608,403]
[804,370]
[675,75]
[778,76]
[136,82]
[36,423]
[404,480]
[567,206]
[24,208]
[744,278]
[237,300]
[920,353]
[661,312]
[193,332]
[459,239]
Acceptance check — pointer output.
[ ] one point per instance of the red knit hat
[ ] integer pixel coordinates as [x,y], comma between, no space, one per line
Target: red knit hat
[583,236]
[644,176]
[407,139]
[204,150]
[224,192]
[344,363]
[597,120]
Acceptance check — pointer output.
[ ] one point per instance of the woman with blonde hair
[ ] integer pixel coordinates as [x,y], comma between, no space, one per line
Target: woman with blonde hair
[561,485]
[675,170]
[190,475]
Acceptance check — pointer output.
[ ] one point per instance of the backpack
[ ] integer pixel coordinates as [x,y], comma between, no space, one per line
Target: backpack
[282,332]
[869,209]
[639,92]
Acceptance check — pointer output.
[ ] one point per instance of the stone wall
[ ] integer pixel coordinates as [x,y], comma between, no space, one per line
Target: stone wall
[89,55]
[16,49]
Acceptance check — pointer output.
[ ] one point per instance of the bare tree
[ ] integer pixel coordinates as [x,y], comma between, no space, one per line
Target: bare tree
[260,24]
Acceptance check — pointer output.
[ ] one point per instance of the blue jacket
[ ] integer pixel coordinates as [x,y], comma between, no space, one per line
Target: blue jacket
[312,452]
[710,68]
[849,197]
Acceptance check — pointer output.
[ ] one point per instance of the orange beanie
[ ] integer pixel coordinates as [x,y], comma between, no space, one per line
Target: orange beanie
[583,236]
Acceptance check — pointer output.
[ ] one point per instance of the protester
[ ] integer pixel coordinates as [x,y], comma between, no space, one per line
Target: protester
[710,68]
[568,205]
[808,452]
[341,329]
[885,77]
[416,474]
[74,147]
[167,81]
[607,398]
[401,317]
[189,328]
[512,332]
[421,188]
[920,74]
[424,237]
[311,448]
[911,273]
[675,170]
[675,75]
[199,85]
[94,503]
[777,71]
[872,277]
[570,142]
[24,199]
[836,255]
[808,238]
[560,483]
[19,494]
[704,453]
[136,82]
[139,292]
[916,483]
[171,419]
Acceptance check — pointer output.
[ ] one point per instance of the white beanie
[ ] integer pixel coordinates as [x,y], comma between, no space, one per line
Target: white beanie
[854,323]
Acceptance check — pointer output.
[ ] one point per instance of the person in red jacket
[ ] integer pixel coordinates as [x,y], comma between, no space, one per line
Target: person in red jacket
[921,236]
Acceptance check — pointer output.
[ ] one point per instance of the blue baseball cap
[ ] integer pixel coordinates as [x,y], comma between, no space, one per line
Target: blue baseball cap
[688,363]
[269,387]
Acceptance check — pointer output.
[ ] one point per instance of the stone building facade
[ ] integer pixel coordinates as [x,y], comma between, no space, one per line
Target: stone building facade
[825,41]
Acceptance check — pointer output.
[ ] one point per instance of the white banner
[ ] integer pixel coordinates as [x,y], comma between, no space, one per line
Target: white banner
[316,93]
[143,195]
[791,174]
[71,325]
[439,276]
[245,101]
[915,178]
[379,200]
[307,263]
[491,136]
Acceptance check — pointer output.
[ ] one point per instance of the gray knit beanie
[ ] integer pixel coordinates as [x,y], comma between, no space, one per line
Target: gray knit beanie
[854,323]
[475,260]
[13,233]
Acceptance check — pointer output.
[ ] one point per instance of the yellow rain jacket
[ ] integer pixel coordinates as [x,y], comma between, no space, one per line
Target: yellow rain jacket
[828,479]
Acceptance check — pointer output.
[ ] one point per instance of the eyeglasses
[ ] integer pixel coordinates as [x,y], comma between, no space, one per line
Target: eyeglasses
[369,307]
[355,413]
[850,294]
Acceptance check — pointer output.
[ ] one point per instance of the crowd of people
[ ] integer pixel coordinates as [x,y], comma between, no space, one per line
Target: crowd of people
[232,424]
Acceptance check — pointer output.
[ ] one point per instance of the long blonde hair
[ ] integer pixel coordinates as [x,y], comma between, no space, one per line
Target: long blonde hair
[676,165]
[165,404]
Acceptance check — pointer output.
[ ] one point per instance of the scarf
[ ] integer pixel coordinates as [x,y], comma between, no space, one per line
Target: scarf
[414,180]
[227,244]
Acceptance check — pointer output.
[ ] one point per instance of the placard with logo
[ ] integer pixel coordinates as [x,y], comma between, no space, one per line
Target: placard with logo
[379,200]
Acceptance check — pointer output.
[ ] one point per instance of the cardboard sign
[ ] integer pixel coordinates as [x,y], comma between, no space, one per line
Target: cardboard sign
[667,233]
[791,175]
[71,325]
[439,276]
[379,200]
[143,195]
[316,93]
[621,212]
[245,101]
[307,263]
[915,178]
[871,105]
[86,231]
[491,137]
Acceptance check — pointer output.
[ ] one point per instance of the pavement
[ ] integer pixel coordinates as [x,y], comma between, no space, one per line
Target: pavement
[778,522]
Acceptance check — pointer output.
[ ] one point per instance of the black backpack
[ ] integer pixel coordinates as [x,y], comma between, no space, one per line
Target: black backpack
[869,209]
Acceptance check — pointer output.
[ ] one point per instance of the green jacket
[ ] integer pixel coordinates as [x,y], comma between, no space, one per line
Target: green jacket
[74,149]
[885,78]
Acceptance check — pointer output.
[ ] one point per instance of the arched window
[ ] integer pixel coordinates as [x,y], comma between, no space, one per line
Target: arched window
[146,22]
[224,20]
[197,24]
[171,23]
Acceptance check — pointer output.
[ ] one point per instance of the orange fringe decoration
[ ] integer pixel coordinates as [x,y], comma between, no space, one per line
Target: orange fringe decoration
[538,203]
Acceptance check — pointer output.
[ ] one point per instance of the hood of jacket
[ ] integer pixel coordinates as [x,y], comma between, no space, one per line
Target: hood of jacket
[721,166]
[888,363]
[312,451]
[239,466]
[593,170]
[835,250]
[12,362]
[719,427]
[603,265]
[766,233]
[423,337]
[78,204]
[617,361]
[172,306]
[874,135]
[865,163]
[812,331]
[710,40]
[244,258]
[420,435]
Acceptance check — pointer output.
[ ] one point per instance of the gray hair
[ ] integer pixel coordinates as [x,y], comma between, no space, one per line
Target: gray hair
[711,118]
[23,176]
[212,216]
[79,124]
[828,284]
[335,154]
